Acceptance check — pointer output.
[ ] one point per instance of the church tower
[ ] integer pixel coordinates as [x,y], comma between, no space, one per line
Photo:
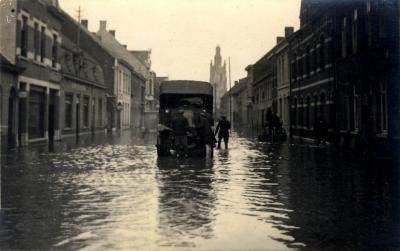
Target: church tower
[218,80]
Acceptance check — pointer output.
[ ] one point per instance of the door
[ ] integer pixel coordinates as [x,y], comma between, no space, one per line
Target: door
[78,115]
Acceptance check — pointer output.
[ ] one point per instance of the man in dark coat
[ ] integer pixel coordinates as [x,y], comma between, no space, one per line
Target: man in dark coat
[180,125]
[320,130]
[222,129]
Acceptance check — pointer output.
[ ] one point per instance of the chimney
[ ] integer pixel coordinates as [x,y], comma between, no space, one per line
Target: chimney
[288,31]
[103,25]
[279,39]
[85,23]
[112,32]
[124,45]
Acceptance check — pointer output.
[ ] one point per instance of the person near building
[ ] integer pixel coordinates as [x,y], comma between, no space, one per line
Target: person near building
[222,130]
[320,130]
[180,125]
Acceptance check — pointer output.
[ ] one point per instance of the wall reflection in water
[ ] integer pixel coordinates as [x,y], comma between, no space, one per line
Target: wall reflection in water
[186,200]
[327,200]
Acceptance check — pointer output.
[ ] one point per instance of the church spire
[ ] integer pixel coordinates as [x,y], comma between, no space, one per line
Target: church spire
[217,57]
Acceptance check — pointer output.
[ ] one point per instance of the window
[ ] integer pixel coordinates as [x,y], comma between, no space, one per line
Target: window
[315,107]
[24,36]
[368,6]
[294,66]
[68,110]
[322,53]
[355,109]
[308,60]
[100,112]
[37,41]
[382,26]
[308,112]
[344,37]
[294,114]
[383,105]
[54,51]
[322,105]
[36,112]
[43,44]
[347,114]
[315,57]
[86,111]
[300,66]
[301,115]
[354,32]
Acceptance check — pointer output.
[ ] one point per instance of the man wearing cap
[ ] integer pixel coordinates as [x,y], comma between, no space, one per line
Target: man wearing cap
[180,125]
[208,134]
[223,131]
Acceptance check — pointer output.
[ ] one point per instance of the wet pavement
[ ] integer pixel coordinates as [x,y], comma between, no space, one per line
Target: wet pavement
[113,193]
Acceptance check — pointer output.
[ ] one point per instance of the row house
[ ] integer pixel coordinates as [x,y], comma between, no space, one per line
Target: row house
[283,78]
[130,70]
[82,99]
[94,74]
[367,73]
[312,76]
[31,41]
[151,101]
[264,90]
[342,66]
[344,63]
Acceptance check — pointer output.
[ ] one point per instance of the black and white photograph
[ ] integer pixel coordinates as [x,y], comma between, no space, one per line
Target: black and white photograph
[200,125]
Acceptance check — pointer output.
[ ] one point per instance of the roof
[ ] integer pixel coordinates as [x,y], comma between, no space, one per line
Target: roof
[186,87]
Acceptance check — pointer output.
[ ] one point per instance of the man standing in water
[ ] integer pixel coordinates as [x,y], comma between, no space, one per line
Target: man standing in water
[223,131]
[180,125]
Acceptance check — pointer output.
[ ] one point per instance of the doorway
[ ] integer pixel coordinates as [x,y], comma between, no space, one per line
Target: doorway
[78,115]
[51,117]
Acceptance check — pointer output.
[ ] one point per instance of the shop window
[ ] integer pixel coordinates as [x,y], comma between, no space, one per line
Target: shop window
[86,111]
[68,110]
[383,105]
[36,112]
[100,113]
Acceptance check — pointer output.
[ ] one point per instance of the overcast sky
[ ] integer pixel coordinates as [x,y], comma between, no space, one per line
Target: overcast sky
[183,34]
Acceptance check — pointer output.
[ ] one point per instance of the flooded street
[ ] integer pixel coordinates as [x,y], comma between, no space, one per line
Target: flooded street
[113,193]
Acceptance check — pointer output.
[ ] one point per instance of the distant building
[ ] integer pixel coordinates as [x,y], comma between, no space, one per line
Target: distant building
[218,80]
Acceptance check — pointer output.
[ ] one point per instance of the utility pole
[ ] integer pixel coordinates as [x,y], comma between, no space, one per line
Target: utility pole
[230,93]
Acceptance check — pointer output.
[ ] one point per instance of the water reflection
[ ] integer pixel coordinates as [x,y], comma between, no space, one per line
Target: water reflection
[113,193]
[186,201]
[338,203]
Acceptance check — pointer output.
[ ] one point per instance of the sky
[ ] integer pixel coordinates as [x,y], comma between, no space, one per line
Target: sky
[183,34]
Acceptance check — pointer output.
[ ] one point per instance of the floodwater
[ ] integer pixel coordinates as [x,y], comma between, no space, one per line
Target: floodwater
[113,193]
